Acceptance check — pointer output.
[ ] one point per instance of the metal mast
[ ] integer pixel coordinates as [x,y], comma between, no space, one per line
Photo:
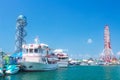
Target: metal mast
[107,52]
[20,32]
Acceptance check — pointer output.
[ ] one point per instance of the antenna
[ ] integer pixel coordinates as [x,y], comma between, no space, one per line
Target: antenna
[37,40]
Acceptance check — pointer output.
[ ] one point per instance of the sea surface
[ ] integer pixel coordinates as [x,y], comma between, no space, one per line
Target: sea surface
[70,73]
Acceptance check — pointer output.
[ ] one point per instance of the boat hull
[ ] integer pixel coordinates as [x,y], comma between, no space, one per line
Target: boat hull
[62,64]
[9,69]
[34,66]
[12,69]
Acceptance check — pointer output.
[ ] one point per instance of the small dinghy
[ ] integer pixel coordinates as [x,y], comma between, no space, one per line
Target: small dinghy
[11,69]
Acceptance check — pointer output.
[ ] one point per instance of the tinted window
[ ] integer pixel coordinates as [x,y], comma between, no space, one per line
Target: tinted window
[36,50]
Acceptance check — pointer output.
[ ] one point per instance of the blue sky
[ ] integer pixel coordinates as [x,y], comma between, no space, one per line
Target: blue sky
[66,24]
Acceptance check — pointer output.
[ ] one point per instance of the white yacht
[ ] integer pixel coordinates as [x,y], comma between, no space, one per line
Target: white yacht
[62,58]
[36,58]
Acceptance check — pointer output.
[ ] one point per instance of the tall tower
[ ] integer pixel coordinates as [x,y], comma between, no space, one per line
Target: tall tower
[107,52]
[20,32]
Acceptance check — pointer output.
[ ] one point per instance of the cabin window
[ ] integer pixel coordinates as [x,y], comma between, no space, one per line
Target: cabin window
[40,50]
[31,50]
[36,50]
[26,50]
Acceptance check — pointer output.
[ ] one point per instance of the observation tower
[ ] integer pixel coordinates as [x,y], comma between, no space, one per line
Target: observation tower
[21,23]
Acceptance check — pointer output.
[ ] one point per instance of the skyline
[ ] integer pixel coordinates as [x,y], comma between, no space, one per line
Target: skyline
[77,26]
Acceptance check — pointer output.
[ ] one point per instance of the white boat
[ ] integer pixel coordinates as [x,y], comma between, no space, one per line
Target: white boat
[7,68]
[62,58]
[11,69]
[35,58]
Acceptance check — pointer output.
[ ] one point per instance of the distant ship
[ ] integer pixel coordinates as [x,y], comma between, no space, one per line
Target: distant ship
[62,57]
[35,58]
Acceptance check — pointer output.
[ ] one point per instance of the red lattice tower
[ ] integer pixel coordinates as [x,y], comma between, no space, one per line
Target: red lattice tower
[107,54]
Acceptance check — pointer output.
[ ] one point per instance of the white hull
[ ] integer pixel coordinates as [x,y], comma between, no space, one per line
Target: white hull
[62,63]
[33,66]
[10,69]
[12,72]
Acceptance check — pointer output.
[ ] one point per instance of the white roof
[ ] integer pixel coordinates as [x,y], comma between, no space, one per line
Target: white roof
[58,51]
[35,45]
[42,44]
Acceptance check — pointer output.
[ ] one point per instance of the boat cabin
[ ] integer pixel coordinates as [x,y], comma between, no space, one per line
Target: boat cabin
[34,52]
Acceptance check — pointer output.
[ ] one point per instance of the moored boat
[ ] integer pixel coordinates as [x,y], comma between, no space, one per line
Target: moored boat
[6,67]
[11,69]
[62,58]
[35,58]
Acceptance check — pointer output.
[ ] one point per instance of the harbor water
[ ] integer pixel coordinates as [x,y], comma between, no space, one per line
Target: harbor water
[70,73]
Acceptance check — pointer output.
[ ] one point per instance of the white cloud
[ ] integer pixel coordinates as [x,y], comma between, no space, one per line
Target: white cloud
[118,53]
[89,41]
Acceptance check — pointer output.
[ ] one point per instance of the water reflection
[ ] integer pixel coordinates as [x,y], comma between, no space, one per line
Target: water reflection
[107,72]
[50,75]
[110,72]
[61,74]
[11,77]
[72,73]
[7,77]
